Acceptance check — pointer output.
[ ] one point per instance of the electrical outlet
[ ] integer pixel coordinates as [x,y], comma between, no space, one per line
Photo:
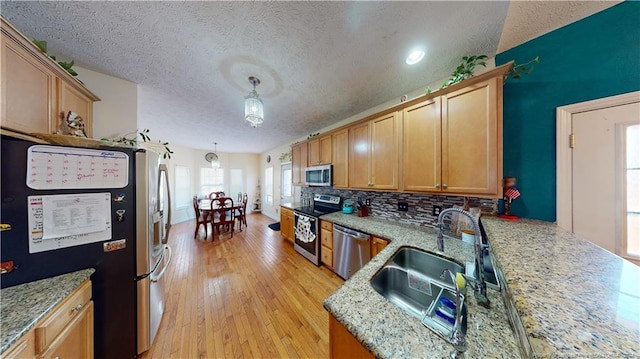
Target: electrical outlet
[436,210]
[367,202]
[403,206]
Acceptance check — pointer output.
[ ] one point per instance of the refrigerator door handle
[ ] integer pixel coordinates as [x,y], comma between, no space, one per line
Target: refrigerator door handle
[164,172]
[159,276]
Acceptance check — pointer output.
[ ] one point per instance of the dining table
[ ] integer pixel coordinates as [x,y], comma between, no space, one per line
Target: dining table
[205,206]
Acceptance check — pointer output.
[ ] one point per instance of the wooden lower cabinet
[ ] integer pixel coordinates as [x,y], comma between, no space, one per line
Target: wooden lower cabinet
[66,332]
[377,245]
[23,348]
[342,344]
[76,340]
[326,238]
[286,223]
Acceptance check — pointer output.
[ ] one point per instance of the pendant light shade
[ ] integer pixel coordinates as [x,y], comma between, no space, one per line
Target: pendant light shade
[253,106]
[215,160]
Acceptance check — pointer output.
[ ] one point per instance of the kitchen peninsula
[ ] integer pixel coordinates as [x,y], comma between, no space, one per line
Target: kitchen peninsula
[572,306]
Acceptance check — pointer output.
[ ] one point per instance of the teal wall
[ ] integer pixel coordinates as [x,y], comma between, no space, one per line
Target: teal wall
[596,57]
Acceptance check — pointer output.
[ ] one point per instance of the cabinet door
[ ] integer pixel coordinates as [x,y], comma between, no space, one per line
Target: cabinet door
[73,100]
[384,153]
[340,159]
[470,140]
[342,344]
[325,150]
[24,348]
[286,224]
[422,146]
[359,156]
[76,340]
[299,163]
[377,245]
[313,147]
[28,90]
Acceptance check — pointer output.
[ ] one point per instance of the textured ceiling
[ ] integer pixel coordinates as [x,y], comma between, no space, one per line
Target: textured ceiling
[319,62]
[529,19]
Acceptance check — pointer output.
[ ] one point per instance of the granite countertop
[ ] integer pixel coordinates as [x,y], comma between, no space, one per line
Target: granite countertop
[290,205]
[389,332]
[573,298]
[23,305]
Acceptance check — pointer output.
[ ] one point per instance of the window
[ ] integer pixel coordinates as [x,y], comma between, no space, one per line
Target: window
[268,186]
[236,182]
[183,186]
[631,235]
[287,181]
[211,180]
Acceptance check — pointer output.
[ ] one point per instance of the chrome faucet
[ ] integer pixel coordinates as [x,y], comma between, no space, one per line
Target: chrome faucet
[458,334]
[480,285]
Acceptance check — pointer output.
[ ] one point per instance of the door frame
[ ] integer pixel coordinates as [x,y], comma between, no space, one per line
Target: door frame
[564,168]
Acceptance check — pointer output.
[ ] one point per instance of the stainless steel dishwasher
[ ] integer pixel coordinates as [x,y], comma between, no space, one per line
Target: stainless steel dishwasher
[351,250]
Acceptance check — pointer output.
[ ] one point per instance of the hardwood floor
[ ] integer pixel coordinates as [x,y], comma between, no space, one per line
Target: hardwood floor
[250,296]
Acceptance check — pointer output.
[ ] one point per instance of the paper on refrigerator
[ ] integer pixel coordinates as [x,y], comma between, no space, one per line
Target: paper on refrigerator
[67,215]
[60,221]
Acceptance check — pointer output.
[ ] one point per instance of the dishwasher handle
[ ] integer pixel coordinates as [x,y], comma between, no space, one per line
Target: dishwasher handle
[351,233]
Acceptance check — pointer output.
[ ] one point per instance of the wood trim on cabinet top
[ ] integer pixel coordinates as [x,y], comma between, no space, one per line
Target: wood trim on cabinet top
[500,70]
[26,44]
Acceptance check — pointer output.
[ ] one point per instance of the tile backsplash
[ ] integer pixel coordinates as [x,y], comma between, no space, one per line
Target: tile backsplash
[385,204]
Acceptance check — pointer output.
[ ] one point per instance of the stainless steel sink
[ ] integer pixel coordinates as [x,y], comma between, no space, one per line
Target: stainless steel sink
[392,282]
[425,263]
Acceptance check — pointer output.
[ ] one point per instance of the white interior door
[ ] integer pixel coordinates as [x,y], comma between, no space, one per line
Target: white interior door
[606,173]
[286,187]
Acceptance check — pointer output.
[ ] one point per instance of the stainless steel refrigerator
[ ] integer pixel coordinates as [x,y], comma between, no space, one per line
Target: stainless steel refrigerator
[153,255]
[120,198]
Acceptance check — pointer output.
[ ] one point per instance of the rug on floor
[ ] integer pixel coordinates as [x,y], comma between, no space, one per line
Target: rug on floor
[275,226]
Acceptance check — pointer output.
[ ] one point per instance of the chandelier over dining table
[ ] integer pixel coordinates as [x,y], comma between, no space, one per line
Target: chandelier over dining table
[253,106]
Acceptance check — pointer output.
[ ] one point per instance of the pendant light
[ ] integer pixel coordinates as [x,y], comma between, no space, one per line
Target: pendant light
[214,159]
[253,106]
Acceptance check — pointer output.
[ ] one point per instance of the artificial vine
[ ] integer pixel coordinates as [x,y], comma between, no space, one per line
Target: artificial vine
[146,143]
[467,67]
[42,45]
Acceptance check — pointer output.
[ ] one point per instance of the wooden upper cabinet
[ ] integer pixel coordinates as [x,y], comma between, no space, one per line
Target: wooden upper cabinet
[299,157]
[422,146]
[320,151]
[28,90]
[472,139]
[359,156]
[340,159]
[384,153]
[374,153]
[36,92]
[70,99]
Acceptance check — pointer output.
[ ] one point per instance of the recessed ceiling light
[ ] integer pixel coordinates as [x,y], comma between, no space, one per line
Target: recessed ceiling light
[415,57]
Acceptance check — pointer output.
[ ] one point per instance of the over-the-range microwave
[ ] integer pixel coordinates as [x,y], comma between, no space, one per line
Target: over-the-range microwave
[318,175]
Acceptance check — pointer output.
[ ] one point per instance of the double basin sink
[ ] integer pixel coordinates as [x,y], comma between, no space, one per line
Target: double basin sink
[416,281]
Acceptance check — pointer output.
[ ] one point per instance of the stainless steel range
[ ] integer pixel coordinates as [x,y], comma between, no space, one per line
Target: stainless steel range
[306,225]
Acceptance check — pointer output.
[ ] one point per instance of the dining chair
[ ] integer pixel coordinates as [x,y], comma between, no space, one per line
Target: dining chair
[241,213]
[202,218]
[223,214]
[217,194]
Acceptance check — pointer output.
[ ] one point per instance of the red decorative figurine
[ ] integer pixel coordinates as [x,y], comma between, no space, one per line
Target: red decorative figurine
[510,193]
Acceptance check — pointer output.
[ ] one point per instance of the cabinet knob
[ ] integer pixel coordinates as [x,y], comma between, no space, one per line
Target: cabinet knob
[77,308]
[444,185]
[437,185]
